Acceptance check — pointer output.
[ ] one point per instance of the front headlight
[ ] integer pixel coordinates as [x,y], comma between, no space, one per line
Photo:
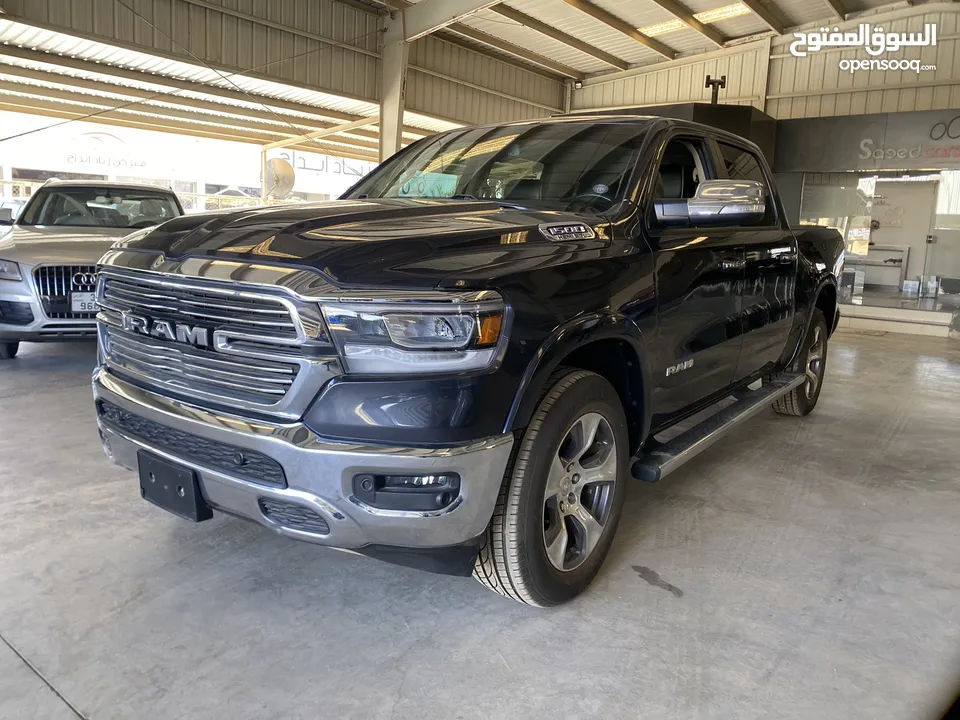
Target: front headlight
[418,337]
[9,270]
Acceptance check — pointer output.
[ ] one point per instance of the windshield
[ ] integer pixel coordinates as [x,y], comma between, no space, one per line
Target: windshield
[99,207]
[575,166]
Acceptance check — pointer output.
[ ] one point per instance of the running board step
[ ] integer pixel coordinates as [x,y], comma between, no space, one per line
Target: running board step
[662,460]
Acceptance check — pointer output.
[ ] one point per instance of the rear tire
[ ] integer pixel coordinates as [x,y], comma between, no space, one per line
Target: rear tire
[813,363]
[8,350]
[562,494]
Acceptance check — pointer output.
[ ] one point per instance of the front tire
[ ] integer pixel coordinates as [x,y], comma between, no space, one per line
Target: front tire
[562,494]
[813,363]
[8,350]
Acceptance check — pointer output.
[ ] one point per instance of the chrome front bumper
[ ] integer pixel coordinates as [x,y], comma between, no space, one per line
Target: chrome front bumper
[319,473]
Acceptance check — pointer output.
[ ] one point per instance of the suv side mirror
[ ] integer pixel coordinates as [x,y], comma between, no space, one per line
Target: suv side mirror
[716,203]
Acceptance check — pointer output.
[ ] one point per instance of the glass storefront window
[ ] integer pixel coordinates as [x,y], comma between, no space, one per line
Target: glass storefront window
[901,231]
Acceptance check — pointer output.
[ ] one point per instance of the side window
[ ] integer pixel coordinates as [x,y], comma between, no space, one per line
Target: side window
[682,168]
[680,171]
[742,164]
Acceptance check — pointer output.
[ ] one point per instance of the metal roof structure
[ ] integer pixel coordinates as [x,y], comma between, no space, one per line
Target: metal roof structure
[56,74]
[583,38]
[255,74]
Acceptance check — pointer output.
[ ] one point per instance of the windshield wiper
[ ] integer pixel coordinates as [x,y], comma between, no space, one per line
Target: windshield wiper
[501,203]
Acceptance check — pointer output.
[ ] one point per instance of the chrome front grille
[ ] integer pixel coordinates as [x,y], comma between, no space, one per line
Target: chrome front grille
[246,347]
[55,283]
[260,382]
[264,316]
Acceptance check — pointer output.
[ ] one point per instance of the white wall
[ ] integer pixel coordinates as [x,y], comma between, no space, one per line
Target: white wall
[814,86]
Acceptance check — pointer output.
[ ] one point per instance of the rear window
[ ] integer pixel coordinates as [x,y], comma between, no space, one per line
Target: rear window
[99,207]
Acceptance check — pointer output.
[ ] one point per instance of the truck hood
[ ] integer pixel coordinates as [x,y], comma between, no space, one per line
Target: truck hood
[32,245]
[394,242]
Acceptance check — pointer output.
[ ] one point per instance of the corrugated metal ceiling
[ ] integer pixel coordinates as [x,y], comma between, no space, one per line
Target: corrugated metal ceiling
[282,107]
[641,14]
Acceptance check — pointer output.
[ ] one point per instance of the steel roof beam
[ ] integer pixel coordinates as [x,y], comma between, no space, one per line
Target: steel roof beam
[178,84]
[568,40]
[619,25]
[516,51]
[321,133]
[259,116]
[687,18]
[234,126]
[764,14]
[428,16]
[838,9]
[125,119]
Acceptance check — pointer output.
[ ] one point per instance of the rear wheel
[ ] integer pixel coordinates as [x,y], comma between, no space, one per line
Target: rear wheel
[562,495]
[813,363]
[8,350]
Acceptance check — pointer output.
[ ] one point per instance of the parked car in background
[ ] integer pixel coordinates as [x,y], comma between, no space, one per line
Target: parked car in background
[49,253]
[9,210]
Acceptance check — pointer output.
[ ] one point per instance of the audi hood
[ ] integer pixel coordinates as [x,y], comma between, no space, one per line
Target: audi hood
[37,245]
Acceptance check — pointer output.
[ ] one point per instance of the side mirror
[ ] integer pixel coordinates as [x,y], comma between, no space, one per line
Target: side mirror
[716,203]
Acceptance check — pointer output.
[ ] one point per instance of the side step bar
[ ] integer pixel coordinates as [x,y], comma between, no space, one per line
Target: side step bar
[661,460]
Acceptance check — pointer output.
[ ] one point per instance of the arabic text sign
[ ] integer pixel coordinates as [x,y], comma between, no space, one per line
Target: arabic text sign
[872,39]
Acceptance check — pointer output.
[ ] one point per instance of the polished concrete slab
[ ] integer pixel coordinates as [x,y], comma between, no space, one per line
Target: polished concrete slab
[799,569]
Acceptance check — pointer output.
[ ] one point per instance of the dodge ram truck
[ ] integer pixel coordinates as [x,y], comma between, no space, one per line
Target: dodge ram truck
[461,364]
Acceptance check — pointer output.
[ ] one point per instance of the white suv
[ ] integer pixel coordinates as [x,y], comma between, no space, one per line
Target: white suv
[49,254]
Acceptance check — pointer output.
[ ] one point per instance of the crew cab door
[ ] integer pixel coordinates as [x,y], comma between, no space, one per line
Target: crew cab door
[699,272]
[770,255]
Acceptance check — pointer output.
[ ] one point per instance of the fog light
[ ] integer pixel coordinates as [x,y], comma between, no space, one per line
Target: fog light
[418,481]
[407,492]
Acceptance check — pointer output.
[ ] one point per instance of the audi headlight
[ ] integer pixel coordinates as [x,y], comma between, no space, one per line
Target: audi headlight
[9,270]
[466,333]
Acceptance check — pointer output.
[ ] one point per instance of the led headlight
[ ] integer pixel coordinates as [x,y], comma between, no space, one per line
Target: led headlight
[9,270]
[418,337]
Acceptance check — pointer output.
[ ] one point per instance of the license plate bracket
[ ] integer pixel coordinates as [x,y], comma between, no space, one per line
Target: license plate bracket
[172,487]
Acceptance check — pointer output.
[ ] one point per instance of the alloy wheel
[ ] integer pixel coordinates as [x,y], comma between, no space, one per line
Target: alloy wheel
[578,499]
[814,368]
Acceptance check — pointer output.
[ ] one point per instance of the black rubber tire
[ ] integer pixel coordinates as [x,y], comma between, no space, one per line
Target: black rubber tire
[796,402]
[8,350]
[513,559]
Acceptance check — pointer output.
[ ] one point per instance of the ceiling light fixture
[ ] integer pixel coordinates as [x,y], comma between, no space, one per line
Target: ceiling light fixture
[707,16]
[722,13]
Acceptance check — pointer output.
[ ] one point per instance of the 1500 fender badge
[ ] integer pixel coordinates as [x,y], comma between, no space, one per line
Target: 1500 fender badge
[568,231]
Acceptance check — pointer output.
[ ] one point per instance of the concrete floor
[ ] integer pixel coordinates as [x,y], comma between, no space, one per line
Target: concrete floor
[801,569]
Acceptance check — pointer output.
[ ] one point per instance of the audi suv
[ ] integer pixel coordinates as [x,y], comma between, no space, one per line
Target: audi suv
[49,254]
